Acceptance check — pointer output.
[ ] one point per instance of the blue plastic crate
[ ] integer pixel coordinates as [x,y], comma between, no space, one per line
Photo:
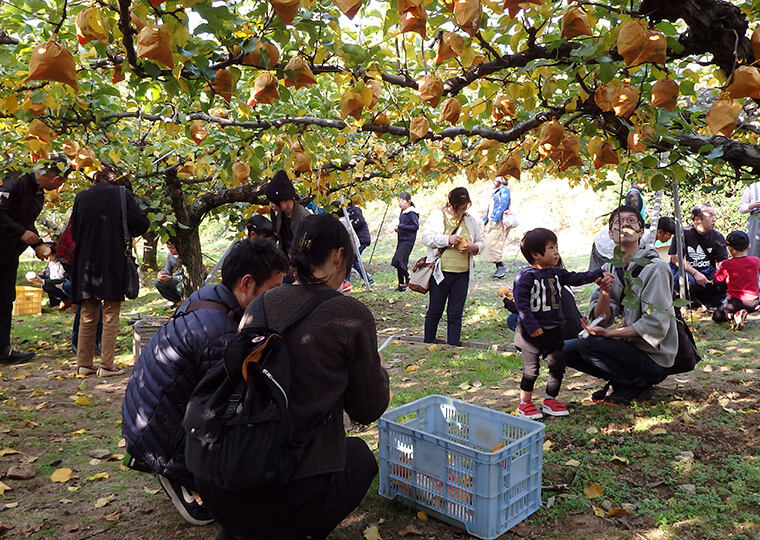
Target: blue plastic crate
[437,453]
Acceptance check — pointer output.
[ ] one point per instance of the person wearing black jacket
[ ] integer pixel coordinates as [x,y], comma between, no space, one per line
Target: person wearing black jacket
[408,224]
[100,264]
[21,200]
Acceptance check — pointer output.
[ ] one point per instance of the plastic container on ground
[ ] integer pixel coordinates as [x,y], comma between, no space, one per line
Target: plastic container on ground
[443,456]
[28,301]
[143,330]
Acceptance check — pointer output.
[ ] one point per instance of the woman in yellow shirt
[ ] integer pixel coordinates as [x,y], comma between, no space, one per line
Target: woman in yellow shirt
[450,227]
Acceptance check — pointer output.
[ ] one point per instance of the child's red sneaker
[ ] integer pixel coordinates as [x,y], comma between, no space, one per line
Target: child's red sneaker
[739,318]
[552,407]
[346,287]
[528,410]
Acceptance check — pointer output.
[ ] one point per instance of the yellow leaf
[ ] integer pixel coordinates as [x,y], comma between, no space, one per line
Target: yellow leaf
[11,505]
[99,476]
[592,491]
[479,107]
[61,475]
[432,347]
[573,463]
[372,533]
[115,516]
[103,501]
[591,430]
[686,419]
[659,431]
[8,451]
[409,369]
[21,375]
[82,400]
[4,487]
[548,445]
[74,488]
[619,460]
[422,516]
[149,491]
[599,512]
[79,432]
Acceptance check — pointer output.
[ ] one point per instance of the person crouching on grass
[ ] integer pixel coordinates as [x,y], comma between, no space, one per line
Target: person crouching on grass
[537,292]
[740,275]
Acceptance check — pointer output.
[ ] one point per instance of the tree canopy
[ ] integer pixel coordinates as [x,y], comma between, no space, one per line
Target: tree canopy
[202,101]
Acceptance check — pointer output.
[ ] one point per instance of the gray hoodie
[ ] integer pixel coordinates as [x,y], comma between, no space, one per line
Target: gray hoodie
[653,319]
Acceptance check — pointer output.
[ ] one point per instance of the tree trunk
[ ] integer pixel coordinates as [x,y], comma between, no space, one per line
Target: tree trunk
[150,245]
[188,242]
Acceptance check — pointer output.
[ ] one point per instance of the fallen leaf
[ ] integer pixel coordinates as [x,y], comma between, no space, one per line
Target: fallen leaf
[70,527]
[409,369]
[61,475]
[372,533]
[21,375]
[122,443]
[548,445]
[599,512]
[4,487]
[659,431]
[422,516]
[550,502]
[149,491]
[432,347]
[8,452]
[591,430]
[592,491]
[103,501]
[612,512]
[115,516]
[464,386]
[409,529]
[686,419]
[11,505]
[619,460]
[573,463]
[82,400]
[79,432]
[99,476]
[41,406]
[74,488]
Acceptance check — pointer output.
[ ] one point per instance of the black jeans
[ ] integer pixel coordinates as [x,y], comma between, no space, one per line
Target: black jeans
[311,506]
[730,306]
[7,296]
[454,289]
[615,360]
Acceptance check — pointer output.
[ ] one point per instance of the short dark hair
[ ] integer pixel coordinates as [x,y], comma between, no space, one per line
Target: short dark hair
[696,212]
[666,224]
[535,241]
[459,197]
[260,225]
[737,240]
[625,208]
[260,259]
[316,237]
[406,196]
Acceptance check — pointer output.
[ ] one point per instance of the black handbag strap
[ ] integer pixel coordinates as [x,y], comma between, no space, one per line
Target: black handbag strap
[127,236]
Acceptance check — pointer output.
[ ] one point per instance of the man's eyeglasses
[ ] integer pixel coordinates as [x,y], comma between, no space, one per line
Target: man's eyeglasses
[626,221]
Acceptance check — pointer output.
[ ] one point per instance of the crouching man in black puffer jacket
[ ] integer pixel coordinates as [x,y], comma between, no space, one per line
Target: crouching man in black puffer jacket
[178,356]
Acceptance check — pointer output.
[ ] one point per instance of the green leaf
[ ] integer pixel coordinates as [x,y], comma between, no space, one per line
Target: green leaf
[607,69]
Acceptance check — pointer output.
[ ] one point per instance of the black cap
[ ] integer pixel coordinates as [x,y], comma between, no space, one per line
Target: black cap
[280,188]
[737,240]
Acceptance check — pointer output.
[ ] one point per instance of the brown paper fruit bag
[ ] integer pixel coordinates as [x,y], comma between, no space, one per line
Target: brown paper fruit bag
[154,43]
[509,166]
[351,104]
[745,82]
[91,26]
[467,14]
[41,132]
[264,56]
[450,46]
[502,106]
[431,90]
[223,84]
[298,73]
[51,61]
[632,38]
[349,8]
[414,20]
[722,116]
[655,49]
[264,89]
[451,111]
[286,9]
[514,6]
[418,128]
[755,43]
[241,171]
[377,92]
[665,94]
[198,131]
[575,23]
[604,96]
[550,138]
[624,100]
[570,151]
[638,138]
[604,153]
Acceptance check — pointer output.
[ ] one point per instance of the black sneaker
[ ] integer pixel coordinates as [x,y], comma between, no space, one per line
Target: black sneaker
[600,394]
[11,356]
[500,273]
[625,395]
[185,502]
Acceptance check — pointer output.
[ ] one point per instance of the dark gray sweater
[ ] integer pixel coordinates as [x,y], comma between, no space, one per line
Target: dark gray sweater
[336,367]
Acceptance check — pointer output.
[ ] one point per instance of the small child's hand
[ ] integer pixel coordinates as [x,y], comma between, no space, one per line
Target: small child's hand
[536,333]
[605,282]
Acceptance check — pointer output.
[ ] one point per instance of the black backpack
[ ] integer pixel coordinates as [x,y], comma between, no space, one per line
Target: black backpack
[686,355]
[238,424]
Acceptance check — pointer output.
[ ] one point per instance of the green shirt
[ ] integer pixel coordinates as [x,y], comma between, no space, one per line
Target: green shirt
[452,260]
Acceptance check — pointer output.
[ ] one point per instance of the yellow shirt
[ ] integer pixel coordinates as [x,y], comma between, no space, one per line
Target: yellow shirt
[452,260]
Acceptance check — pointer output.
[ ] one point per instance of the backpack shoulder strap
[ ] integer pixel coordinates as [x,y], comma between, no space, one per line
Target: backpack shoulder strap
[305,309]
[195,305]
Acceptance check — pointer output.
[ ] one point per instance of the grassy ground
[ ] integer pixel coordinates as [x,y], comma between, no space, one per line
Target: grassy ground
[686,466]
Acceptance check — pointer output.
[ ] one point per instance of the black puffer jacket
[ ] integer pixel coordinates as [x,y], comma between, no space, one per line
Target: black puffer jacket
[169,368]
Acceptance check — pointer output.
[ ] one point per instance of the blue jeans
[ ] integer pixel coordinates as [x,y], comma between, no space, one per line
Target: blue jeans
[615,360]
[454,289]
